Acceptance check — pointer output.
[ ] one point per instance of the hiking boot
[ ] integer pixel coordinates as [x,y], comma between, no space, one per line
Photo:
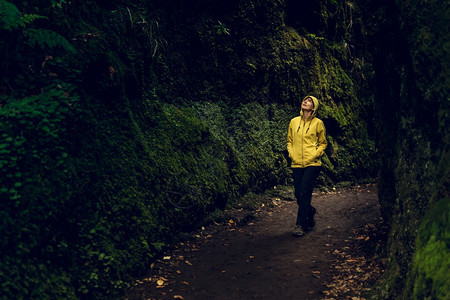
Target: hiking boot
[311,221]
[298,231]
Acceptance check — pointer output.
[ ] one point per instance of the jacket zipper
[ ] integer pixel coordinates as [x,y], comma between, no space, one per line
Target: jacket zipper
[302,138]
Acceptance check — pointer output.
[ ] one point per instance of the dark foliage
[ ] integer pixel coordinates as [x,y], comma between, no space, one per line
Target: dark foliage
[125,124]
[410,58]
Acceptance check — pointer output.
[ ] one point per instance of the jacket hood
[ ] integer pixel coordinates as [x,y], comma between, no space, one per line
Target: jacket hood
[316,106]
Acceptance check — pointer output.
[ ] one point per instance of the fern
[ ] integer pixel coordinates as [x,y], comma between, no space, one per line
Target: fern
[44,38]
[29,18]
[11,18]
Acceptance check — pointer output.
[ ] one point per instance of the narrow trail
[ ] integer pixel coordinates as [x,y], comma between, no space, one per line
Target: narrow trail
[262,260]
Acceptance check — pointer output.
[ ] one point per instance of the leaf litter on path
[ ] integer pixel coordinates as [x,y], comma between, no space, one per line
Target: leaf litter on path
[253,255]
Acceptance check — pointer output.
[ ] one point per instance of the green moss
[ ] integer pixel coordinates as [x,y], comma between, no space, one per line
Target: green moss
[431,261]
[97,187]
[411,82]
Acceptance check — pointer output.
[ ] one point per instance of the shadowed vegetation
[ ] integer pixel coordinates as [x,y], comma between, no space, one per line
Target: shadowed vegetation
[125,124]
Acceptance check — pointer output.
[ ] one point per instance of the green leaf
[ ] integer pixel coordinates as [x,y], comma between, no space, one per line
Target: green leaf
[10,16]
[44,38]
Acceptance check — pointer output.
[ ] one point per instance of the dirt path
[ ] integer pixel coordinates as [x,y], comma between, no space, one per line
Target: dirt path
[262,260]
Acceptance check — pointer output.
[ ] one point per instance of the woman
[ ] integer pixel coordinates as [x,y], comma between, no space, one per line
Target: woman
[306,143]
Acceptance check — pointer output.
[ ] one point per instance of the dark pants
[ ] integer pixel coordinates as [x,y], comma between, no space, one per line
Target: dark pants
[304,181]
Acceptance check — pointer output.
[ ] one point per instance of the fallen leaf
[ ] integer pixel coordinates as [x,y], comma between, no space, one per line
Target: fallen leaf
[166,257]
[185,282]
[178,297]
[187,262]
[160,282]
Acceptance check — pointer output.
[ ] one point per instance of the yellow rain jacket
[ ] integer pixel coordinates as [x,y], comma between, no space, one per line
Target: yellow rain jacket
[306,141]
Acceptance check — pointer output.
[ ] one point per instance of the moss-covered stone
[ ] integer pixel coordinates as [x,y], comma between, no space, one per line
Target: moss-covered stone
[412,110]
[429,275]
[178,112]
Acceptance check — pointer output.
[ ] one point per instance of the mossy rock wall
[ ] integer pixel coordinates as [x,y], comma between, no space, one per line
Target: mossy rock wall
[412,106]
[248,53]
[126,124]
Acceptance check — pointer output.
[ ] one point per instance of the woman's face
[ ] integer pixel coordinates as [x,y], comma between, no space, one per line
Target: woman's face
[308,104]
